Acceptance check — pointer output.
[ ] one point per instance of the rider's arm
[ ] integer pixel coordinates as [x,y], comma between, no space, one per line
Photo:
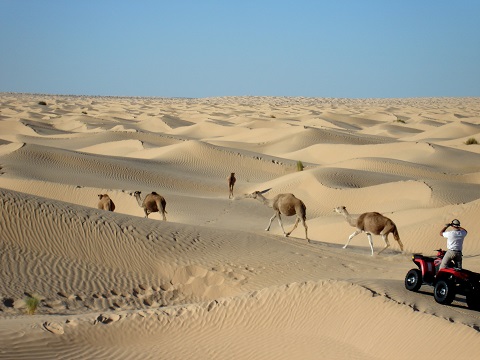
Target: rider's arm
[444,228]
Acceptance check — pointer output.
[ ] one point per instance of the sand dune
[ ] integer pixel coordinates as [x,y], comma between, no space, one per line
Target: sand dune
[210,283]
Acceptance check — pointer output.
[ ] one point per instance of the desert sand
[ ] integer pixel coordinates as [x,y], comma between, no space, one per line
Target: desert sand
[211,283]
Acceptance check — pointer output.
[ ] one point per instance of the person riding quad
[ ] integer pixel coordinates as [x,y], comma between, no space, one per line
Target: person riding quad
[455,239]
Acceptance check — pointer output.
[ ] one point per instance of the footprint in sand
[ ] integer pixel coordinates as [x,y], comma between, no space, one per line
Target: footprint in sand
[53,327]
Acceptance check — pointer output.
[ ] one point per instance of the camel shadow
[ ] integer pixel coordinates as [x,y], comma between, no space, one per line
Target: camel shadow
[360,250]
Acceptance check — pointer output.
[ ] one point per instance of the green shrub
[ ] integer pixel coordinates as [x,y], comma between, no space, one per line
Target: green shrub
[32,303]
[300,166]
[471,141]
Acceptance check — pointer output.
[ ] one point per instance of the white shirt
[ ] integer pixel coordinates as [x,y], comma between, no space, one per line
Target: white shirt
[455,239]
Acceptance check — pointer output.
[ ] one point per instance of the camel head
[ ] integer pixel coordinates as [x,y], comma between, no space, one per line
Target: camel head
[340,209]
[137,193]
[255,194]
[100,196]
[252,195]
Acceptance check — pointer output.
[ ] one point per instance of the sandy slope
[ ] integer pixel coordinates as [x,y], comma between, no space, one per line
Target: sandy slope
[211,283]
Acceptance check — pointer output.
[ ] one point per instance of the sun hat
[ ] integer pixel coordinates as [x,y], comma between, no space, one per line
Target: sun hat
[456,222]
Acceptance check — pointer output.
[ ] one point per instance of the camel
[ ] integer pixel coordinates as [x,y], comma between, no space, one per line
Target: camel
[371,223]
[231,181]
[105,203]
[153,202]
[283,204]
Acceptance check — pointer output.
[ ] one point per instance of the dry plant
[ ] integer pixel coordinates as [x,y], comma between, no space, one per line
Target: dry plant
[471,141]
[300,166]
[32,302]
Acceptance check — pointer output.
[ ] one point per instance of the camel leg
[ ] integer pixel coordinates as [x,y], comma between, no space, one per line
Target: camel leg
[294,227]
[146,212]
[370,240]
[270,223]
[163,215]
[306,229]
[400,244]
[351,237]
[387,243]
[281,224]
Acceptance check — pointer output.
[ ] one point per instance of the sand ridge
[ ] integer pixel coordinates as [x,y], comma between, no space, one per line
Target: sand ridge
[211,283]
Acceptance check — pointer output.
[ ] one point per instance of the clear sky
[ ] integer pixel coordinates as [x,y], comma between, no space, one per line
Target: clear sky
[195,48]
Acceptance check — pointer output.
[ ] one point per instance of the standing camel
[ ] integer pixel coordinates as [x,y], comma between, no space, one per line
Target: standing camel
[153,202]
[105,203]
[231,181]
[371,223]
[283,204]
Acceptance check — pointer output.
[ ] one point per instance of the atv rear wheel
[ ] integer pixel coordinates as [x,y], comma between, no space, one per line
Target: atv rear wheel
[473,300]
[413,280]
[444,292]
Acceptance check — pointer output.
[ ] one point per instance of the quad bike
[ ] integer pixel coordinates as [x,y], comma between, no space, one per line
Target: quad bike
[447,282]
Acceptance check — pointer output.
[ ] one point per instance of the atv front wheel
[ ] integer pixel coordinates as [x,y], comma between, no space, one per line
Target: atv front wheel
[444,292]
[413,280]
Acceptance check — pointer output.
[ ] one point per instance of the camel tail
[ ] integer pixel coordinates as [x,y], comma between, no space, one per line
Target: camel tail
[396,236]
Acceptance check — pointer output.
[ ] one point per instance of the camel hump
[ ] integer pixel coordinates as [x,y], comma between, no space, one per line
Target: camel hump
[370,215]
[154,193]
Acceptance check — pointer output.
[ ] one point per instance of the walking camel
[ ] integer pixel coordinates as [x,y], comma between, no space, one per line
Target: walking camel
[153,202]
[231,181]
[370,223]
[105,203]
[283,204]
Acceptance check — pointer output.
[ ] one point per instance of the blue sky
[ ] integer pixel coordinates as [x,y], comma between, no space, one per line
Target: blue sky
[342,48]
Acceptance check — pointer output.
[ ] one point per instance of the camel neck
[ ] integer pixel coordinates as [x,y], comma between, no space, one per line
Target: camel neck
[139,200]
[264,200]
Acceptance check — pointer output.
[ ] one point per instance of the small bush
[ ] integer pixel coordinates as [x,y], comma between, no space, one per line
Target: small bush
[273,116]
[471,141]
[32,303]
[400,121]
[42,103]
[300,166]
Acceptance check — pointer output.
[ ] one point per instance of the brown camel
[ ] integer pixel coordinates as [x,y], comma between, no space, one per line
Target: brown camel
[153,202]
[371,223]
[231,182]
[283,204]
[105,203]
